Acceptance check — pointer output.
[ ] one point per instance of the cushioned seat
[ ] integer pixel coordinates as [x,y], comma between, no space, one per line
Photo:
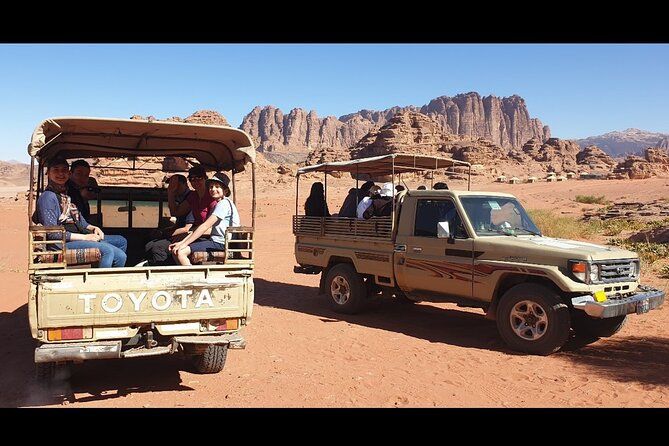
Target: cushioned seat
[80,256]
[210,256]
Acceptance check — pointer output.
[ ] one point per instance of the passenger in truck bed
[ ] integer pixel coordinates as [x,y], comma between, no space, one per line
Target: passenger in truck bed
[80,172]
[315,206]
[224,214]
[348,208]
[381,205]
[157,251]
[55,208]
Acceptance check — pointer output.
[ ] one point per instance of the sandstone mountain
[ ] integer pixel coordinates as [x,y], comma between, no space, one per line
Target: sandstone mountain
[505,122]
[630,141]
[14,173]
[414,132]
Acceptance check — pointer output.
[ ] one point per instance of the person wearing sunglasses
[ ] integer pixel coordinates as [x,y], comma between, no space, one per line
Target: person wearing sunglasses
[201,203]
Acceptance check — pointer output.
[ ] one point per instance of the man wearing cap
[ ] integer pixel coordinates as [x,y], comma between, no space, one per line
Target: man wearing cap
[223,215]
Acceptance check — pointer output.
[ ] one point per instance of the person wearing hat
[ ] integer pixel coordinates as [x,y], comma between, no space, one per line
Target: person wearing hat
[374,192]
[224,214]
[55,208]
[381,205]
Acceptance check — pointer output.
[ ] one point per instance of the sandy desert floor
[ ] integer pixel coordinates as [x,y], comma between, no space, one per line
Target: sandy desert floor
[300,354]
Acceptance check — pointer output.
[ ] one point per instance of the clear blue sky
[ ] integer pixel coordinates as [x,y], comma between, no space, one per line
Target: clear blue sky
[578,90]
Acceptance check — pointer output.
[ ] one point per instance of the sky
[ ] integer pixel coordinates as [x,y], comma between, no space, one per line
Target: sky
[578,90]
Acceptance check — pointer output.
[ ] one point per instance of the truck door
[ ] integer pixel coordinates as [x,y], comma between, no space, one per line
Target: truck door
[426,264]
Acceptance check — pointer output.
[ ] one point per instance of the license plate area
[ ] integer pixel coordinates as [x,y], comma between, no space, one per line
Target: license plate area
[643,306]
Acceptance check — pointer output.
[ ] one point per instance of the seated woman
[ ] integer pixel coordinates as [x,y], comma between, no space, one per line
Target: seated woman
[315,206]
[55,207]
[225,214]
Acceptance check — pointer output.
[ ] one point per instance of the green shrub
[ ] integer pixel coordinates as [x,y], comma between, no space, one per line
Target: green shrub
[591,199]
[560,226]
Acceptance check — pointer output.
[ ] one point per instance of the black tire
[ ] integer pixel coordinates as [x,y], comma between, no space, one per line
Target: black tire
[345,289]
[211,360]
[532,318]
[585,325]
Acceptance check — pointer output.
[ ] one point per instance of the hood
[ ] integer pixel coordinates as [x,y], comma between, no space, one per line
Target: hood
[577,249]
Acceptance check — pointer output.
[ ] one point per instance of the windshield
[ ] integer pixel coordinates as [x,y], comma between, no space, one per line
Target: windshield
[498,215]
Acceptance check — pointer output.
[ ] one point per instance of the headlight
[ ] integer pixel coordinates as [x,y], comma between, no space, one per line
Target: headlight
[594,273]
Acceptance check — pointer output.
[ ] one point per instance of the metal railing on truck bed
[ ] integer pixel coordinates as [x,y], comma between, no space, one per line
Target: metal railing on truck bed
[375,228]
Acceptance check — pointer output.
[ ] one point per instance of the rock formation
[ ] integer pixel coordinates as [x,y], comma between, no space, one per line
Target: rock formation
[630,141]
[595,160]
[503,121]
[655,162]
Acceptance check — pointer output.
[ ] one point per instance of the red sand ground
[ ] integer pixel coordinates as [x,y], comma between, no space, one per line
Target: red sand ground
[300,354]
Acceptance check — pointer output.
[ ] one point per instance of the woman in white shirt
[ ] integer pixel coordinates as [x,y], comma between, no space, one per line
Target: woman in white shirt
[224,214]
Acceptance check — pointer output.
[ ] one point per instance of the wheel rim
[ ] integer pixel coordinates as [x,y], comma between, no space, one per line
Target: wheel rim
[529,320]
[340,290]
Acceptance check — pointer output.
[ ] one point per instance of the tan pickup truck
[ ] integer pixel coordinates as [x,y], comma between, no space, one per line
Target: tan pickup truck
[78,311]
[477,249]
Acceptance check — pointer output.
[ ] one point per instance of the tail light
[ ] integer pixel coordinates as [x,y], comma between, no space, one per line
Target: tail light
[69,333]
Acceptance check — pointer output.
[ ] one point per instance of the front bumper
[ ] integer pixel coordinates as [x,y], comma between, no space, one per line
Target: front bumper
[644,300]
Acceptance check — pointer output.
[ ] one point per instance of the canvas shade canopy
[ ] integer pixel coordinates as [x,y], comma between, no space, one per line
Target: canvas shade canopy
[215,147]
[386,165]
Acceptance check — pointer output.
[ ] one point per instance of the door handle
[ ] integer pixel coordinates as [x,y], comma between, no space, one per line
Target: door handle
[417,249]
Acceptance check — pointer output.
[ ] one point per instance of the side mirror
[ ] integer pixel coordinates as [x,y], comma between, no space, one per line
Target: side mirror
[443,231]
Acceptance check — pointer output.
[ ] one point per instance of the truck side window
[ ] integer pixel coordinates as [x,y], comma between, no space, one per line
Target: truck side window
[431,212]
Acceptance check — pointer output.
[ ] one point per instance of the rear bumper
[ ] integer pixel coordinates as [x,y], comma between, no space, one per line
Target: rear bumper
[84,351]
[641,302]
[78,351]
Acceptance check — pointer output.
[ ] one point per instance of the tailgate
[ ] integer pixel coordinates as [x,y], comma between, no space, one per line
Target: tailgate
[125,296]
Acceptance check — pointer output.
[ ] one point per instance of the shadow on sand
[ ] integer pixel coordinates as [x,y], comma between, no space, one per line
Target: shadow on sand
[623,359]
[90,381]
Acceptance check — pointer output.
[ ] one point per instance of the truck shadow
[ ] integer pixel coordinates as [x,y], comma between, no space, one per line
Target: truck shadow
[90,381]
[623,359]
[435,324]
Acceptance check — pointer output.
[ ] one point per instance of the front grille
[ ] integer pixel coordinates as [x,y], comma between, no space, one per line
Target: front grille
[622,270]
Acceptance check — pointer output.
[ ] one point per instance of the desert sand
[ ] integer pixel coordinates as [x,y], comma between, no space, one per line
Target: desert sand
[301,354]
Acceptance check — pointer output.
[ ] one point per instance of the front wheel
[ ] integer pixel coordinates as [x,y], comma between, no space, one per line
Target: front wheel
[345,289]
[211,360]
[599,328]
[532,318]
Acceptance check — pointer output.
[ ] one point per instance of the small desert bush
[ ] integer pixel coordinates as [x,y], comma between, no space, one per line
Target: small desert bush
[560,226]
[616,226]
[664,272]
[649,253]
[591,199]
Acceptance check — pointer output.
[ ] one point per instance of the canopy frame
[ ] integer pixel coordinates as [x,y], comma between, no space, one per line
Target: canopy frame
[391,164]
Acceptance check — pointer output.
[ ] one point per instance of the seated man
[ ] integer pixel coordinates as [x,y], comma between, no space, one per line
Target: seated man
[348,208]
[381,206]
[157,252]
[55,207]
[374,192]
[79,175]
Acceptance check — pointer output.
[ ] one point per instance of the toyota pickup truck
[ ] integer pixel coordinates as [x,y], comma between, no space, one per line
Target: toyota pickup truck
[477,249]
[78,311]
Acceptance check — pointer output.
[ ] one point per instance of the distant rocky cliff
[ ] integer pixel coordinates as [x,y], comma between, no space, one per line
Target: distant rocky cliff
[503,121]
[630,141]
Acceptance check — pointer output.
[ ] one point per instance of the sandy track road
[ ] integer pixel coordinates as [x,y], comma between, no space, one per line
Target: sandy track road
[301,354]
